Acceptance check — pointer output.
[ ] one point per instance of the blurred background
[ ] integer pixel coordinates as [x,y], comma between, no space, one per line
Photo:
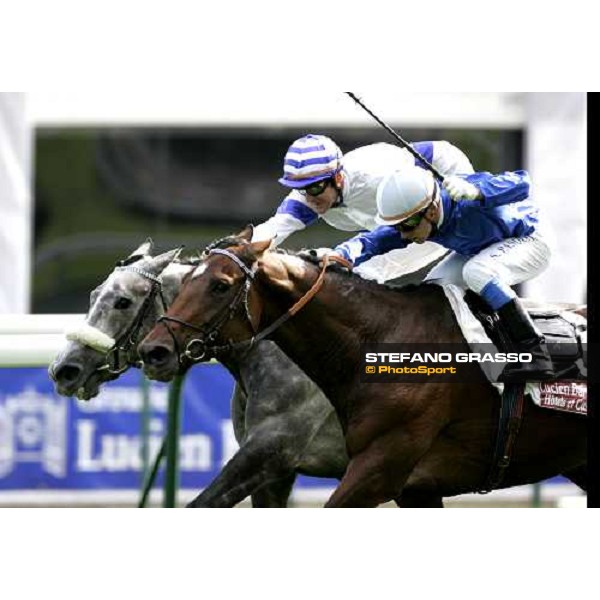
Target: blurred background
[86,177]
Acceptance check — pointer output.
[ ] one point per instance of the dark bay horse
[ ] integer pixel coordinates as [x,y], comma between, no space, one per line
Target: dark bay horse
[282,421]
[435,437]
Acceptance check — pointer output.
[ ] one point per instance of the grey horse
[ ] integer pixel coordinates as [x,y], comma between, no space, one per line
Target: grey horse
[282,421]
[121,309]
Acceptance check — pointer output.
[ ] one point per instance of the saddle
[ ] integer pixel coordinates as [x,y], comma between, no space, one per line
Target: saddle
[564,330]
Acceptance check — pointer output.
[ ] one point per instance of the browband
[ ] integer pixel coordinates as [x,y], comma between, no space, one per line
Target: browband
[235,259]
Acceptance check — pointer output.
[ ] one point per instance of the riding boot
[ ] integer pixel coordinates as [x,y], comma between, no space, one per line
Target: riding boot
[524,337]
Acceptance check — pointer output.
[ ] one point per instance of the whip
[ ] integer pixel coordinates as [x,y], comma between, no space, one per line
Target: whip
[399,139]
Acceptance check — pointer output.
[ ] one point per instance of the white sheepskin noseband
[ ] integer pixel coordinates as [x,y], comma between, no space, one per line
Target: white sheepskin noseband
[91,337]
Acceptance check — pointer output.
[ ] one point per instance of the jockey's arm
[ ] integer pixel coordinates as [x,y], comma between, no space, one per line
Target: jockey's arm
[368,244]
[292,215]
[498,190]
[446,158]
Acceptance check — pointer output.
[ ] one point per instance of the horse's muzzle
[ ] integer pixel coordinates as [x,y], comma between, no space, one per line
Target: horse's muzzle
[154,356]
[72,380]
[160,362]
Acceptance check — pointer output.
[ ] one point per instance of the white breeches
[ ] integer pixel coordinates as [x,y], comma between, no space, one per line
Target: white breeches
[503,264]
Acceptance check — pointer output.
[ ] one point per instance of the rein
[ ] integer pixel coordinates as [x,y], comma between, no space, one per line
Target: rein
[197,349]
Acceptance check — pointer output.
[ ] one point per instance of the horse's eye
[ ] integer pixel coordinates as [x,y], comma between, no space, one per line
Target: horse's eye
[122,303]
[220,287]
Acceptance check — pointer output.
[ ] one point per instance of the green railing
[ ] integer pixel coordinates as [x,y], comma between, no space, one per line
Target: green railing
[169,449]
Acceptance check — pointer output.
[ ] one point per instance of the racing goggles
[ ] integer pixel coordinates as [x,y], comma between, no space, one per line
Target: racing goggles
[316,188]
[413,221]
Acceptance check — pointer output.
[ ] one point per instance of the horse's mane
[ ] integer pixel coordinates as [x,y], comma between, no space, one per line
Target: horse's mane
[350,276]
[193,260]
[385,300]
[336,269]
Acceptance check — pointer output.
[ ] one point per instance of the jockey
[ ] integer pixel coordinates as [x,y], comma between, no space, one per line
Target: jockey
[490,223]
[341,189]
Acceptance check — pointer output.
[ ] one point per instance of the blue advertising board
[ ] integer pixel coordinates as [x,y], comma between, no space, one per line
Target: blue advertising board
[48,442]
[51,443]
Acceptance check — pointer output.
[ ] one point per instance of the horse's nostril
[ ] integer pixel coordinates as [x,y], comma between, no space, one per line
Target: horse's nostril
[67,373]
[157,355]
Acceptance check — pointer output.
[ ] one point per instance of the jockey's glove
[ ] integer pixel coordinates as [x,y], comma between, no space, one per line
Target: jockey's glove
[459,189]
[318,253]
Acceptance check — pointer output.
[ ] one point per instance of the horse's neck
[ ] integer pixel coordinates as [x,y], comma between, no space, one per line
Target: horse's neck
[325,337]
[245,365]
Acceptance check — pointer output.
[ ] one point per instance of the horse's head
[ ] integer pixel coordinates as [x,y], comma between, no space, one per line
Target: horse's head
[214,306]
[122,309]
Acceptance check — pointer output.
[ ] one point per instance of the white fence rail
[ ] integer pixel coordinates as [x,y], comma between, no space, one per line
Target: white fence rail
[33,340]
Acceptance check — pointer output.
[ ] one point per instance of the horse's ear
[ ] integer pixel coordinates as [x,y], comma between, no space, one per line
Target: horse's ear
[246,233]
[159,263]
[259,247]
[144,250]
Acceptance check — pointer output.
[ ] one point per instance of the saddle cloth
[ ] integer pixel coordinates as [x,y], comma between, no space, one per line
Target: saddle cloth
[566,336]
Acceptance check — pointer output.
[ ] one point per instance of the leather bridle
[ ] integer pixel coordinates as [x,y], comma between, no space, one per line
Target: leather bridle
[114,365]
[199,349]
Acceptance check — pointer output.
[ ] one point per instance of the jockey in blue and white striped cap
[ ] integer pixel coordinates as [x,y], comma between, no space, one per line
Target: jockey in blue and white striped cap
[341,189]
[310,159]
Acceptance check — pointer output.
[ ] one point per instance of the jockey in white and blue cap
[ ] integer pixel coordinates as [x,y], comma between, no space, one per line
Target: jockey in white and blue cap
[310,159]
[493,228]
[341,189]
